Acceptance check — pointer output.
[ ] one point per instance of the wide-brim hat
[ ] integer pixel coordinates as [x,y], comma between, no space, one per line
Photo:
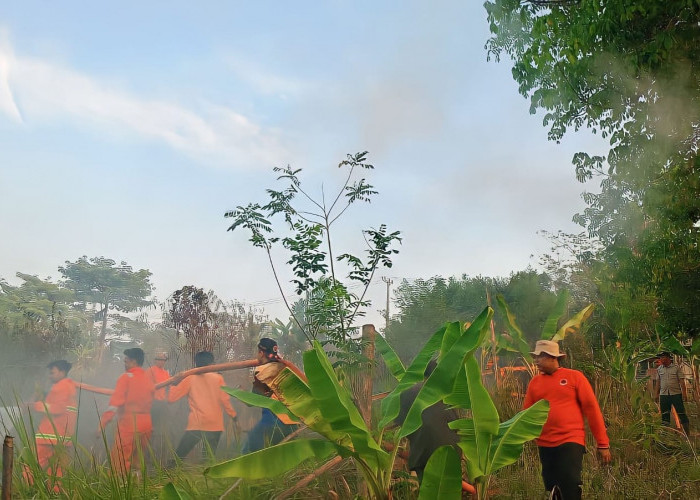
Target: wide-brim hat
[548,347]
[161,356]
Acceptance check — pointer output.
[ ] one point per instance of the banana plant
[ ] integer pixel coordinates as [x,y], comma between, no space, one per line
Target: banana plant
[515,341]
[324,405]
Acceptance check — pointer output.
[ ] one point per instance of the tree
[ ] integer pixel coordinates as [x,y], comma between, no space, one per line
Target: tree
[630,71]
[101,281]
[40,309]
[332,309]
[210,324]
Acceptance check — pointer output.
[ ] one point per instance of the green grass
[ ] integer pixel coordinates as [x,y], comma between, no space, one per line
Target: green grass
[649,461]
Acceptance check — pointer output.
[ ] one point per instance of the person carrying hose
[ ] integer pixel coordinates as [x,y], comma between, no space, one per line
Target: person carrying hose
[57,427]
[271,428]
[131,402]
[207,403]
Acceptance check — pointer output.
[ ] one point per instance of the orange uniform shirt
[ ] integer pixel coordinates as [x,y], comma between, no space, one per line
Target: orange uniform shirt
[207,401]
[570,397]
[159,375]
[131,401]
[61,408]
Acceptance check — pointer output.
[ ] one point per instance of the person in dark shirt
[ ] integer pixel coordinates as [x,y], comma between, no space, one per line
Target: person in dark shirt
[433,432]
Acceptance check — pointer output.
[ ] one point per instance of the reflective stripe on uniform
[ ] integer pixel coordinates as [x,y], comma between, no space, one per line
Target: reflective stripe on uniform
[53,437]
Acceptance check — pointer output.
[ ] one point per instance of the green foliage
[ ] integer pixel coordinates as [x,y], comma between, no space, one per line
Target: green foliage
[330,309]
[630,71]
[101,281]
[442,477]
[424,305]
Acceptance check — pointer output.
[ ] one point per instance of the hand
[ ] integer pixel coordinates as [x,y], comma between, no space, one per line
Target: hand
[605,455]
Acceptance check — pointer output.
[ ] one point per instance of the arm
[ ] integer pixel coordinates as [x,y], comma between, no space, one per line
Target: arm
[226,400]
[591,410]
[57,401]
[117,399]
[180,390]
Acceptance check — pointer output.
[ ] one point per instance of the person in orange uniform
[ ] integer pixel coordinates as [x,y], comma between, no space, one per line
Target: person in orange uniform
[56,429]
[562,441]
[207,404]
[159,410]
[131,403]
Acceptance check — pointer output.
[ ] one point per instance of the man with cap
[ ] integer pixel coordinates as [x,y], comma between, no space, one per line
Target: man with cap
[271,428]
[562,441]
[158,374]
[671,390]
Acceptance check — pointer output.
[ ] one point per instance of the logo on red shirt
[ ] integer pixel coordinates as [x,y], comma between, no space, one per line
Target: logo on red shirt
[563,382]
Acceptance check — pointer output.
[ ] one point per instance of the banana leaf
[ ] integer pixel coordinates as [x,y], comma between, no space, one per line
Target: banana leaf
[574,323]
[453,332]
[393,363]
[518,341]
[259,401]
[550,324]
[459,397]
[414,374]
[296,395]
[275,460]
[442,381]
[487,453]
[338,408]
[672,344]
[442,477]
[172,492]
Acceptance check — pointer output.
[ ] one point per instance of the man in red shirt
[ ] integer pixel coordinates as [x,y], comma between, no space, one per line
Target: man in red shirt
[562,441]
[207,404]
[131,403]
[56,429]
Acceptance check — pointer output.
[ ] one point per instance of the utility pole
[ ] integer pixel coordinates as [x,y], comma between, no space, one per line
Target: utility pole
[388,282]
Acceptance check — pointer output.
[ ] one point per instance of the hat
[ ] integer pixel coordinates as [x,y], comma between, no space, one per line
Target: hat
[162,356]
[664,354]
[547,347]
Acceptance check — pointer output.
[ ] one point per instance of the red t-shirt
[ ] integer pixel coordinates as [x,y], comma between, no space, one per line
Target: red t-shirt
[570,397]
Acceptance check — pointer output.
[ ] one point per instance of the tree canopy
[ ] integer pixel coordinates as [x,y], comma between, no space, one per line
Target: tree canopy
[631,72]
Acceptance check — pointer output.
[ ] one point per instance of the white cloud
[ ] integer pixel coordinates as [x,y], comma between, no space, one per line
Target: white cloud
[37,92]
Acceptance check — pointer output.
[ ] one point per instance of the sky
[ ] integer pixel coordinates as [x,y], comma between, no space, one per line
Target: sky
[128,129]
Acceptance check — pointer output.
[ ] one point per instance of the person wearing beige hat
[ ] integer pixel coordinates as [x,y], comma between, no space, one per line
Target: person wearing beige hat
[562,441]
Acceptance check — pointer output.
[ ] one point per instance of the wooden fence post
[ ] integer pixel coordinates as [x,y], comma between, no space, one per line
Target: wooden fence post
[365,387]
[7,458]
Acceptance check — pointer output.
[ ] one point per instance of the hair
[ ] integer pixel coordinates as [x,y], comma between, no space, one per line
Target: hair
[269,347]
[665,354]
[61,365]
[203,358]
[135,353]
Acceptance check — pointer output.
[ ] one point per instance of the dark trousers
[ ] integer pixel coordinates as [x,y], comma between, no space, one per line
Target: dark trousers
[675,400]
[191,438]
[267,432]
[561,469]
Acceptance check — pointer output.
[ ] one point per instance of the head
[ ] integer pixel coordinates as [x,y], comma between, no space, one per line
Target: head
[267,350]
[665,358]
[133,357]
[203,358]
[546,355]
[58,370]
[160,359]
